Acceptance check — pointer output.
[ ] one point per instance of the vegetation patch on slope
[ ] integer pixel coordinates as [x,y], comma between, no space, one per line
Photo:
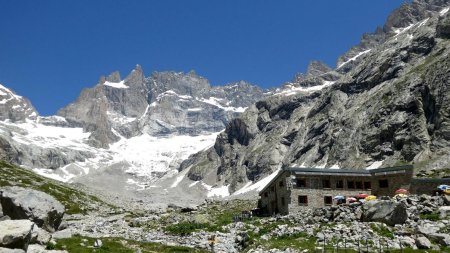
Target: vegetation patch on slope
[75,201]
[79,244]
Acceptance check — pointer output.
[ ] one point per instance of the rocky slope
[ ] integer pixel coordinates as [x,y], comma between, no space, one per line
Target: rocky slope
[385,105]
[38,213]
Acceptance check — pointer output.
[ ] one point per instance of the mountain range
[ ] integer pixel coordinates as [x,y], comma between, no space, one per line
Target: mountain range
[385,103]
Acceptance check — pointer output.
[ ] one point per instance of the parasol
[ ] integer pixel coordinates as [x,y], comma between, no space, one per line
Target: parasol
[370,197]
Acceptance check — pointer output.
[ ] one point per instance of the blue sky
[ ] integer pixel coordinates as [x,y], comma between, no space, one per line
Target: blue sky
[51,49]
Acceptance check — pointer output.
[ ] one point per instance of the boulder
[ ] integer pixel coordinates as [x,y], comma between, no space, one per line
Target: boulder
[40,236]
[35,248]
[6,250]
[423,243]
[64,234]
[15,233]
[427,228]
[386,211]
[6,217]
[441,238]
[444,212]
[41,208]
[446,199]
[407,241]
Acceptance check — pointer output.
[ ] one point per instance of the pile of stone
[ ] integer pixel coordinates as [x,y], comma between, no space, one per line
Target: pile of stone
[27,220]
[391,211]
[392,223]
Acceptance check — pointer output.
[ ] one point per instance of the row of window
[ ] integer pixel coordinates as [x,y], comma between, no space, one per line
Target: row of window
[303,200]
[326,184]
[339,184]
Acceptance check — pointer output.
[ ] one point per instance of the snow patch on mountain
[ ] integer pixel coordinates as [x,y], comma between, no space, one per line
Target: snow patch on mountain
[5,92]
[402,29]
[148,155]
[354,57]
[33,133]
[375,165]
[179,178]
[172,93]
[119,85]
[290,89]
[219,192]
[119,118]
[216,102]
[257,186]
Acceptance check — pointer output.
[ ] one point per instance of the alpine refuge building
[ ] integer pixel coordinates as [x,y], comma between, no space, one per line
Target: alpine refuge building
[294,189]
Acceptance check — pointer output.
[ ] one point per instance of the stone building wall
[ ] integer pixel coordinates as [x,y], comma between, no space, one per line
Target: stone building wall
[284,193]
[316,194]
[396,181]
[427,185]
[275,197]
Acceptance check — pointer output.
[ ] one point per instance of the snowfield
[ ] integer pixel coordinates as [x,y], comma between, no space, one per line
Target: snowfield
[145,156]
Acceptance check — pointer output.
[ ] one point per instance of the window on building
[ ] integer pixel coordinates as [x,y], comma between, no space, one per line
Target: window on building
[367,185]
[359,185]
[266,194]
[272,189]
[328,200]
[326,183]
[351,184]
[281,183]
[301,182]
[303,200]
[283,202]
[383,183]
[339,184]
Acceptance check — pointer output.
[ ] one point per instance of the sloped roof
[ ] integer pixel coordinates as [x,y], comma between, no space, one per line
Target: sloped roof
[350,172]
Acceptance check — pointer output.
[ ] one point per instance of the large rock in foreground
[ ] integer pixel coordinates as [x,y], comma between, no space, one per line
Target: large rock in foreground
[21,203]
[6,250]
[15,233]
[386,211]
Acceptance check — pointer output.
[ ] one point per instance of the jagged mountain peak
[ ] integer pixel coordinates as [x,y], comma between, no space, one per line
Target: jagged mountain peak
[317,68]
[14,107]
[136,77]
[413,12]
[157,105]
[190,83]
[400,20]
[114,77]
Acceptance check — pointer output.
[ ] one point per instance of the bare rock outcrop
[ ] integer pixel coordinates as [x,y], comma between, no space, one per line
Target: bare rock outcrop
[389,105]
[41,208]
[15,234]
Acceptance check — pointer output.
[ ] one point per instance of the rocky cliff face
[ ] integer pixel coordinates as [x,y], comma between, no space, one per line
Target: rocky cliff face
[162,104]
[400,19]
[389,106]
[14,107]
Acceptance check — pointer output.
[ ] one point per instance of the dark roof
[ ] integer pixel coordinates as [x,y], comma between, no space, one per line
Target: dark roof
[317,171]
[430,180]
[352,172]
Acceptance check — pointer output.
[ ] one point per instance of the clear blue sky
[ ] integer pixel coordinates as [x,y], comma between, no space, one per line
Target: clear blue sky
[51,49]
